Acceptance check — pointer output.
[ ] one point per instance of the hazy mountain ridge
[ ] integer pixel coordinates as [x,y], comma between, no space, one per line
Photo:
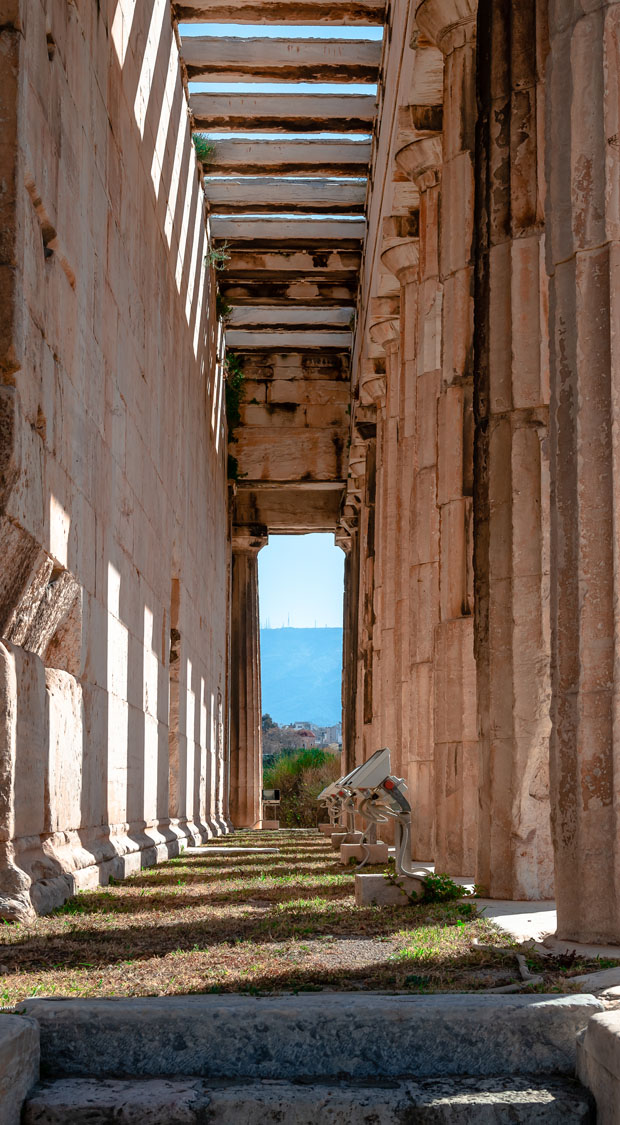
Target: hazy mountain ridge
[301,673]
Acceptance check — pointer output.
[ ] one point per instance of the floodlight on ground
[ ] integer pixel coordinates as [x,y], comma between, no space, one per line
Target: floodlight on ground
[330,798]
[382,799]
[330,790]
[370,773]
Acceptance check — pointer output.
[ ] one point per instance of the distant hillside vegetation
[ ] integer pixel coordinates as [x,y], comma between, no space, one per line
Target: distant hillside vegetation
[301,673]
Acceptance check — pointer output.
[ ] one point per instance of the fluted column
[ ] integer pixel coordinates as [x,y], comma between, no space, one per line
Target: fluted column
[511,507]
[583,256]
[417,594]
[421,161]
[350,649]
[246,764]
[451,25]
[387,723]
[373,396]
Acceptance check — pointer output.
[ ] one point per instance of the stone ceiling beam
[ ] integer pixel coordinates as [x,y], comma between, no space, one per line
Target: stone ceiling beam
[281,60]
[293,339]
[300,233]
[306,368]
[258,194]
[290,508]
[310,157]
[315,265]
[285,113]
[279,319]
[290,292]
[305,12]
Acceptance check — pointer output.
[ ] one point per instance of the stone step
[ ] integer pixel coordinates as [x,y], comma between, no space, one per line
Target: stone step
[339,1035]
[186,1101]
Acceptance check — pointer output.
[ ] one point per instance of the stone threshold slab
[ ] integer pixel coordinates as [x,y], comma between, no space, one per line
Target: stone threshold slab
[328,1034]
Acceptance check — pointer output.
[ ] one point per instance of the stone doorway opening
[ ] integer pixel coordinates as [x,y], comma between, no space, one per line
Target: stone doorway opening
[301,587]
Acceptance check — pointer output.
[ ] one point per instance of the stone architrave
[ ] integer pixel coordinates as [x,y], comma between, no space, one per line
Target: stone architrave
[246,765]
[583,256]
[451,26]
[511,508]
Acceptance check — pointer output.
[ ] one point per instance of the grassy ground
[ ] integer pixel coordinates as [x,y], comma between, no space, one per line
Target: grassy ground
[261,923]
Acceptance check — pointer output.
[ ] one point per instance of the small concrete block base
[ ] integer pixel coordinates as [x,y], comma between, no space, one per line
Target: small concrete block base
[376,890]
[326,829]
[598,1064]
[270,825]
[339,838]
[372,853]
[19,1064]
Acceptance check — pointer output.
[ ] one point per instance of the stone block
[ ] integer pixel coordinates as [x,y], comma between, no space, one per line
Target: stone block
[377,890]
[371,853]
[458,324]
[339,838]
[155,1101]
[598,1064]
[454,548]
[19,1064]
[288,1037]
[327,829]
[493,1101]
[269,825]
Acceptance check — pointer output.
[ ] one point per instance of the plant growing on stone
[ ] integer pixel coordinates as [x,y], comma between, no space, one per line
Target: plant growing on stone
[217,256]
[205,147]
[222,309]
[234,389]
[441,888]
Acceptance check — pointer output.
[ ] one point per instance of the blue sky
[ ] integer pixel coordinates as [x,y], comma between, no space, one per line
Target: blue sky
[301,581]
[281,31]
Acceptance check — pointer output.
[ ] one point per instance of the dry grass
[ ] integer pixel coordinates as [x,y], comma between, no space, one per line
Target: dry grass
[254,923]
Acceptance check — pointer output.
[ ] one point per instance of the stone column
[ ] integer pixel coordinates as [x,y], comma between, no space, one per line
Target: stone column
[421,161]
[246,749]
[356,537]
[583,255]
[451,25]
[511,509]
[350,649]
[417,595]
[387,725]
[372,399]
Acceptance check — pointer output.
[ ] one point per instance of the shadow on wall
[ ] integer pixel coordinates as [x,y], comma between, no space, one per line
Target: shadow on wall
[110,442]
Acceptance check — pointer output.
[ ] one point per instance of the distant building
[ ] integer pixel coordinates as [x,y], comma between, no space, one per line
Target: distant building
[333,734]
[306,737]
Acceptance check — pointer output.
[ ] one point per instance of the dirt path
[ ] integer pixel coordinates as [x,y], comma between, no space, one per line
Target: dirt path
[255,923]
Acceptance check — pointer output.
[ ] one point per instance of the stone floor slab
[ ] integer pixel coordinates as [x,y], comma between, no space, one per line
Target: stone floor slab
[489,1101]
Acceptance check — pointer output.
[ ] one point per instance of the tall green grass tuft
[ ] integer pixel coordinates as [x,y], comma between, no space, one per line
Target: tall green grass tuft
[300,775]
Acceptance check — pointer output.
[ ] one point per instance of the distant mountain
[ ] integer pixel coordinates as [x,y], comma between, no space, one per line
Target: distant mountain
[301,673]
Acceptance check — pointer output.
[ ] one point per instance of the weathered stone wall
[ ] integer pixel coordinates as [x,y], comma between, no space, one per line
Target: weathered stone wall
[112,455]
